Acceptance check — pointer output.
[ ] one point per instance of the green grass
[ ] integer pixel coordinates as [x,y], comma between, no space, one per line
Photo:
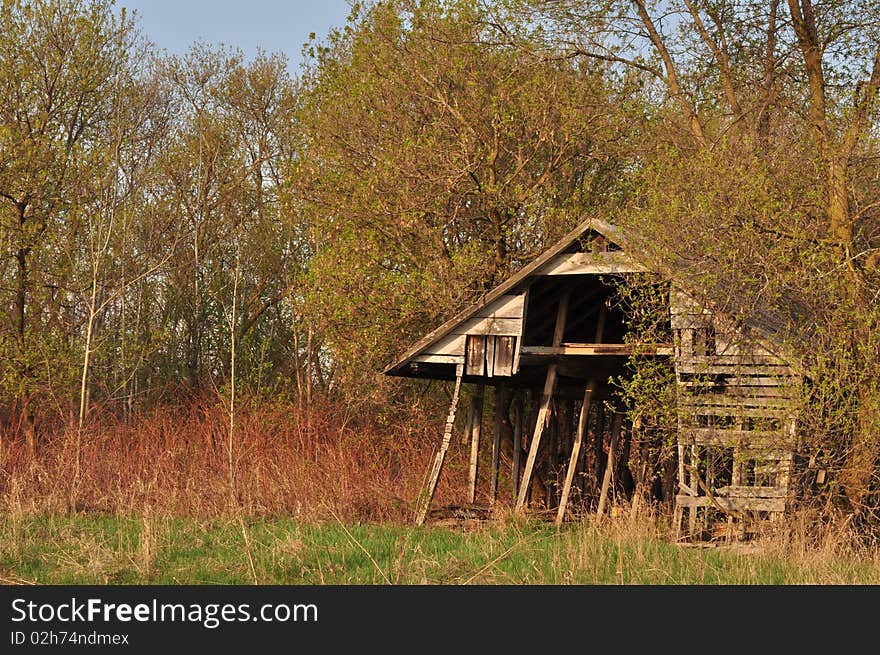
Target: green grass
[169,550]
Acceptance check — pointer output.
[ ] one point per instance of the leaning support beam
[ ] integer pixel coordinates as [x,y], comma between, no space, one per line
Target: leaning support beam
[582,423]
[544,411]
[576,450]
[428,493]
[476,424]
[540,424]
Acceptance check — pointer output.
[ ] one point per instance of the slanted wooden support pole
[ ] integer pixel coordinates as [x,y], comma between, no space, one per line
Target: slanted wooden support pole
[501,404]
[476,423]
[609,466]
[582,425]
[544,411]
[540,424]
[428,493]
[575,450]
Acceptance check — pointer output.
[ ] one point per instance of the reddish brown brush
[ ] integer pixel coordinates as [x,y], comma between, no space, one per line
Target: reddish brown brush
[307,462]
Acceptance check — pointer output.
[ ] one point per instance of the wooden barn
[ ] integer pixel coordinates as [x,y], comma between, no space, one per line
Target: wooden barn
[550,340]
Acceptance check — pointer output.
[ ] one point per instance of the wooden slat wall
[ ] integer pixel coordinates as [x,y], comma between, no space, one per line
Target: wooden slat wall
[490,356]
[734,395]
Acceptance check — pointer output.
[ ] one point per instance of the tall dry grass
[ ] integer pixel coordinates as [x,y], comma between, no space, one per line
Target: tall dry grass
[304,462]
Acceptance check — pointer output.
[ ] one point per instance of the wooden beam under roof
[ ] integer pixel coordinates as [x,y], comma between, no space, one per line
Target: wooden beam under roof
[599,349]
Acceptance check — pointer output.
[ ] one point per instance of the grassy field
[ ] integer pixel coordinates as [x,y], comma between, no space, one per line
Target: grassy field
[168,550]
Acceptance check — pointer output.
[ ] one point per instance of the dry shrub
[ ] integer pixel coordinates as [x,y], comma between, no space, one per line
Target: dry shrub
[311,462]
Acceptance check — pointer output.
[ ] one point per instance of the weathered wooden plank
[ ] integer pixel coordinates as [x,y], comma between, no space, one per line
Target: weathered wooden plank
[428,493]
[439,359]
[743,392]
[792,382]
[490,356]
[731,368]
[505,349]
[725,400]
[722,394]
[452,344]
[587,349]
[731,345]
[740,381]
[742,491]
[516,356]
[731,438]
[689,321]
[595,263]
[475,362]
[732,360]
[505,326]
[734,412]
[732,504]
[510,306]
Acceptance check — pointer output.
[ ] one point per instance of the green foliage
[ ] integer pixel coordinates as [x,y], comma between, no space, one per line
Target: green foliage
[436,159]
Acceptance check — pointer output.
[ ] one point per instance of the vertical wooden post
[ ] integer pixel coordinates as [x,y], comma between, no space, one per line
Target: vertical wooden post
[598,441]
[516,464]
[476,433]
[466,434]
[552,453]
[428,493]
[692,482]
[544,411]
[501,403]
[575,450]
[609,466]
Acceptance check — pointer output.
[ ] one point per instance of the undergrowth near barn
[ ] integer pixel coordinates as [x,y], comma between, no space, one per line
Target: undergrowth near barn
[308,463]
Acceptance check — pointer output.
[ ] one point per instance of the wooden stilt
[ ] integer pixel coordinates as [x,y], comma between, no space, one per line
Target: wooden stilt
[678,516]
[575,450]
[501,398]
[582,463]
[476,433]
[598,448]
[609,466]
[466,434]
[516,464]
[544,411]
[552,463]
[692,481]
[431,488]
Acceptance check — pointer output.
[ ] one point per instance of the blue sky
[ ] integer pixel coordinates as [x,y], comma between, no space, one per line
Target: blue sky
[273,25]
